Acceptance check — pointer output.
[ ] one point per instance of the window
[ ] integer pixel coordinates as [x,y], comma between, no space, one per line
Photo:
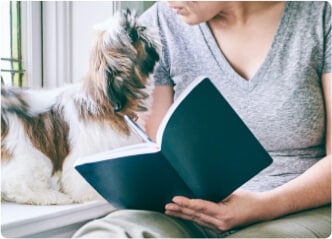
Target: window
[12,72]
[21,43]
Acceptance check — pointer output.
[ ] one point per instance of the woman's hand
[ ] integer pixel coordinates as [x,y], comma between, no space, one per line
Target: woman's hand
[309,190]
[240,208]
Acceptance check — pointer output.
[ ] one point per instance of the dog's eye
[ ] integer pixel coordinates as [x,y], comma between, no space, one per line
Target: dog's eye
[141,28]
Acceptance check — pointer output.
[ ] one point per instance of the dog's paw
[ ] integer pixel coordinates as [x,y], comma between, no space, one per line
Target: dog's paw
[51,198]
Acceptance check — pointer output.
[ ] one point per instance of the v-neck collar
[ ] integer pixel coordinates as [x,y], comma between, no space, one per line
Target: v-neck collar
[225,66]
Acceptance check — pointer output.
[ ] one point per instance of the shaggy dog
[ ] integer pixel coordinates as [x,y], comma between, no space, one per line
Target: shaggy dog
[43,132]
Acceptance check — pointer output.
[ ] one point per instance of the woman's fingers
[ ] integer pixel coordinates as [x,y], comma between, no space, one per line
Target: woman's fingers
[203,212]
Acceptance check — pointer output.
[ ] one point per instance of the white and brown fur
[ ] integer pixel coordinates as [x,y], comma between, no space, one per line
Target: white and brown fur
[43,132]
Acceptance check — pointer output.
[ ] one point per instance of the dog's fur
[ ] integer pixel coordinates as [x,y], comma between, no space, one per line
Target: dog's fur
[43,132]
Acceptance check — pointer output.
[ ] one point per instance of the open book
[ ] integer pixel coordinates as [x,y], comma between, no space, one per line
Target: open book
[203,150]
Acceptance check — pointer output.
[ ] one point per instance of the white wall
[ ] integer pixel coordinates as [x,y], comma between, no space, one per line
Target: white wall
[85,15]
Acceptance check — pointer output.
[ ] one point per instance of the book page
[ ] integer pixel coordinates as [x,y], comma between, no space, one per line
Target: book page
[137,129]
[130,150]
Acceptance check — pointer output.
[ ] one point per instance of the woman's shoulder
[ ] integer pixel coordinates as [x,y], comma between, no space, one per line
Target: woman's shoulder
[310,9]
[310,6]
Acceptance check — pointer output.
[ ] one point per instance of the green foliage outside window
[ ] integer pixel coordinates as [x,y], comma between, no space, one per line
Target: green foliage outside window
[11,68]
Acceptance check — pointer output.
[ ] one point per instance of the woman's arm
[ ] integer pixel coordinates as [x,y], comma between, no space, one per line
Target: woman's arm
[327,87]
[312,188]
[162,99]
[309,190]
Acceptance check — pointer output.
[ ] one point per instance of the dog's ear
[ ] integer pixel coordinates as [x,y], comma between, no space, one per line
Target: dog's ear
[115,92]
[105,77]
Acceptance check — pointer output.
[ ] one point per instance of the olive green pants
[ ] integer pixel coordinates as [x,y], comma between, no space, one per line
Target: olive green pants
[314,223]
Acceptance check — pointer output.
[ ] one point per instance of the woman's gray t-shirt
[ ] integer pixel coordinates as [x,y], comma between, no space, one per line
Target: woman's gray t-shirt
[282,103]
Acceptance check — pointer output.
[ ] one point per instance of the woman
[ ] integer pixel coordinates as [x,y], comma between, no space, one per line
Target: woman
[272,62]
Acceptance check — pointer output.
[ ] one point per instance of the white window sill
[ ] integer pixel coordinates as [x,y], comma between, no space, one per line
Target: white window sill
[49,221]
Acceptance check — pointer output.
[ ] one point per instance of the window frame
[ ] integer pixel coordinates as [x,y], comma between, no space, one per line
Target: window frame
[32,45]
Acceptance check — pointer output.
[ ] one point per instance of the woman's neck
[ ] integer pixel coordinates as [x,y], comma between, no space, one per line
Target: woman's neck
[244,32]
[238,14]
